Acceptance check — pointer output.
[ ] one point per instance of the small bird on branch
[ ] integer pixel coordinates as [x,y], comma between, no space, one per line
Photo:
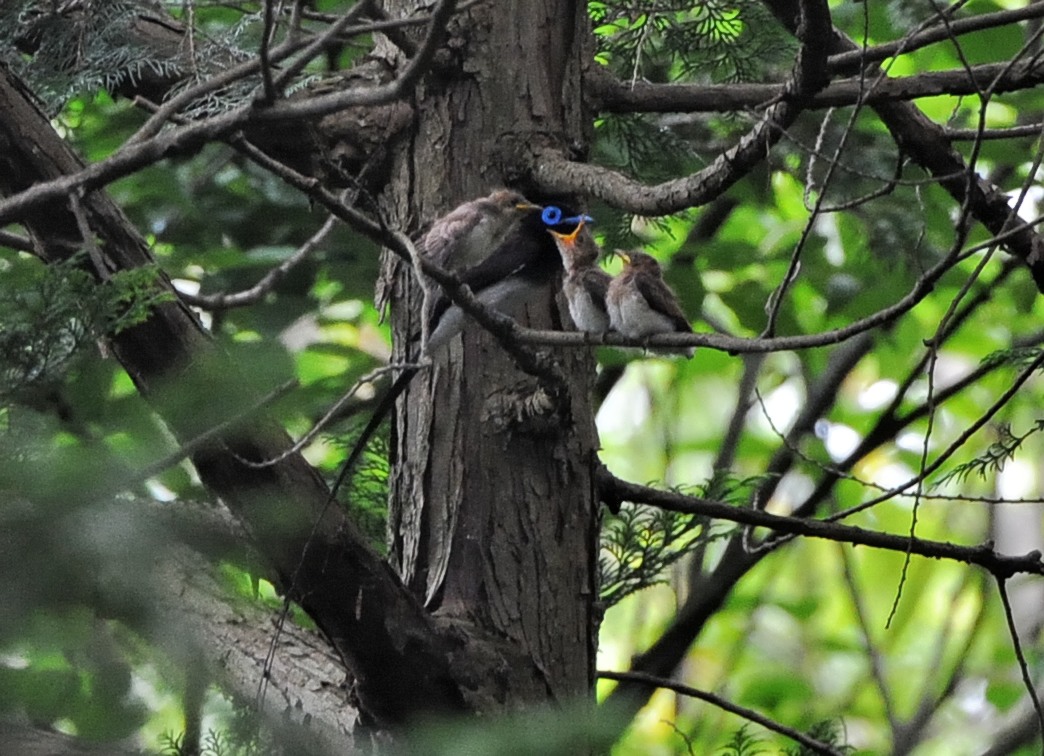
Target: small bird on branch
[585,284]
[640,302]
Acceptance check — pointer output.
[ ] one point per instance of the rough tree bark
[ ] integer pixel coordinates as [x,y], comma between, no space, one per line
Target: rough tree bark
[493,517]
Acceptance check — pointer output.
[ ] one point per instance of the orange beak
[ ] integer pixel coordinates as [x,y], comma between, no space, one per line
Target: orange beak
[570,238]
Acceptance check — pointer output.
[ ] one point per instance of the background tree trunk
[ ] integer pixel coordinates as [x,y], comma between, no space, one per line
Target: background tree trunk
[500,516]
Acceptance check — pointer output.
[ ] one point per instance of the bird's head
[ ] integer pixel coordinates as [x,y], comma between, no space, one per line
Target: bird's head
[508,201]
[639,261]
[577,247]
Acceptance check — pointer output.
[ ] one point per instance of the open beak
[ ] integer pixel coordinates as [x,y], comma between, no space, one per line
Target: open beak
[570,238]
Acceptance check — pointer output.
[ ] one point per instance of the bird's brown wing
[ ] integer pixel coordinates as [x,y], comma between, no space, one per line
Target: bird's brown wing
[661,299]
[522,254]
[437,244]
[596,283]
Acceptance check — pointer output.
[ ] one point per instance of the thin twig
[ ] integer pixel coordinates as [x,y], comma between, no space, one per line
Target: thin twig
[957,443]
[87,236]
[152,126]
[614,96]
[910,732]
[320,43]
[715,700]
[267,32]
[244,297]
[1012,132]
[877,672]
[330,414]
[938,33]
[1019,655]
[212,435]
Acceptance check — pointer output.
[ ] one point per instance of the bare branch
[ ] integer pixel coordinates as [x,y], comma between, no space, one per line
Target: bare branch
[321,105]
[1001,565]
[734,345]
[957,443]
[1030,130]
[749,714]
[925,142]
[14,241]
[1027,678]
[873,655]
[226,301]
[912,731]
[554,174]
[330,414]
[614,96]
[309,48]
[193,445]
[937,33]
[268,88]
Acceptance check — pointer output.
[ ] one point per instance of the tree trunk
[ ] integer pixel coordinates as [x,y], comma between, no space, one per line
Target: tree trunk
[493,518]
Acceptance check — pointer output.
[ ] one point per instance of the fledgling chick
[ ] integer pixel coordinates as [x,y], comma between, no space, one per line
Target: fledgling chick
[585,284]
[641,304]
[468,234]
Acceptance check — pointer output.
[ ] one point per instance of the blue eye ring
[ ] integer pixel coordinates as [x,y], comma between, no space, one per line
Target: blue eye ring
[551,216]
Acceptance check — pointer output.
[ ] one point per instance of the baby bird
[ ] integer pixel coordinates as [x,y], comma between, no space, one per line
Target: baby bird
[585,284]
[641,304]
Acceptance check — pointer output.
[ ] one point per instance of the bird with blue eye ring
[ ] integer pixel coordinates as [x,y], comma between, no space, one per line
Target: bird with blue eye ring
[512,270]
[552,216]
[468,234]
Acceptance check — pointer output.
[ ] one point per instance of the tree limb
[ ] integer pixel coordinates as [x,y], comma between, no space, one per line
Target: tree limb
[984,556]
[226,300]
[933,34]
[307,696]
[614,96]
[556,175]
[742,711]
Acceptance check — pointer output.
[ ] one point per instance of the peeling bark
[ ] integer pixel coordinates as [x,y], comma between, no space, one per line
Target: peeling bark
[493,521]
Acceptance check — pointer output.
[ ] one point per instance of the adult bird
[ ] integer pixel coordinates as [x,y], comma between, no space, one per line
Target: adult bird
[467,234]
[525,262]
[585,284]
[640,302]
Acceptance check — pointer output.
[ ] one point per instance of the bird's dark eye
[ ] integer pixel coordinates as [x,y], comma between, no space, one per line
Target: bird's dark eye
[551,216]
